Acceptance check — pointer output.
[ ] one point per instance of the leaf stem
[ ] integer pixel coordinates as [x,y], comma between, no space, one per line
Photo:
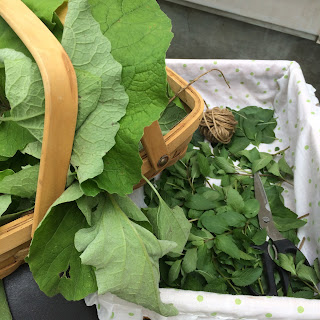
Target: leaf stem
[314,288]
[152,187]
[223,276]
[280,151]
[260,285]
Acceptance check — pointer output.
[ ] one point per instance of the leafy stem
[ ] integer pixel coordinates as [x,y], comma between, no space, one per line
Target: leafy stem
[280,151]
[260,285]
[223,276]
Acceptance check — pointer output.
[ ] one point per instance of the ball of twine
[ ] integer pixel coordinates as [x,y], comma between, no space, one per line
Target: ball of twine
[218,125]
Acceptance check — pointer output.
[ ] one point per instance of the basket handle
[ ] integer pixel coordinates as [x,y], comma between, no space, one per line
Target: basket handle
[61,101]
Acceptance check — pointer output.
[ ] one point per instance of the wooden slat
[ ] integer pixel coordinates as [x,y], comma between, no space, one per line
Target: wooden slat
[154,145]
[15,233]
[61,101]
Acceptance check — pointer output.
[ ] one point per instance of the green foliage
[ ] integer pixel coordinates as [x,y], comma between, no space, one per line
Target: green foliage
[4,308]
[131,270]
[141,50]
[219,255]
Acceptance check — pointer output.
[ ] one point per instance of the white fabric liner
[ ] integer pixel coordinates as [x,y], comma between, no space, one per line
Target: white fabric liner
[279,85]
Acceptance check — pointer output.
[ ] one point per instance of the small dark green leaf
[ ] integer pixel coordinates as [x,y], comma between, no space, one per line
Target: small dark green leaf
[246,277]
[316,267]
[285,224]
[174,271]
[216,285]
[224,164]
[251,208]
[203,164]
[189,263]
[260,237]
[234,200]
[214,223]
[274,169]
[205,148]
[226,244]
[261,163]
[251,155]
[285,261]
[198,202]
[233,219]
[284,167]
[307,274]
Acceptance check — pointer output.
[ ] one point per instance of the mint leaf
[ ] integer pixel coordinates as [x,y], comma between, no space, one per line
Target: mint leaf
[203,164]
[307,274]
[261,163]
[260,237]
[189,263]
[226,244]
[251,155]
[246,277]
[251,208]
[214,223]
[224,164]
[131,272]
[170,117]
[174,271]
[234,200]
[141,49]
[284,167]
[286,262]
[199,202]
[274,169]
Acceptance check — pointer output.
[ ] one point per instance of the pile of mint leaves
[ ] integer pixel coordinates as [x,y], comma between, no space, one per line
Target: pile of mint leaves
[214,188]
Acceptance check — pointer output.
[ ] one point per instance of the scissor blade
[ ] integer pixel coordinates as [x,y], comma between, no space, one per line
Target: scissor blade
[265,215]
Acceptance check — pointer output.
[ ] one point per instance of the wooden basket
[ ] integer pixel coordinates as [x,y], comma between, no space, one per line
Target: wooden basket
[61,107]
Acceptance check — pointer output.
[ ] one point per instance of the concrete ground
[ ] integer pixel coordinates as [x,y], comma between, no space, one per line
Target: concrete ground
[203,35]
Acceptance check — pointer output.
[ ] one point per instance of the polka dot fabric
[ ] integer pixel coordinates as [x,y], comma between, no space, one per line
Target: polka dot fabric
[277,85]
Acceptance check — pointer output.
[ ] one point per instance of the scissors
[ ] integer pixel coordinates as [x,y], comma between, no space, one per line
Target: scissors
[279,243]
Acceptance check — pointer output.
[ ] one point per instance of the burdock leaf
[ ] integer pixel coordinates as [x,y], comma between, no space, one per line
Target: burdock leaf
[131,271]
[53,259]
[141,49]
[22,184]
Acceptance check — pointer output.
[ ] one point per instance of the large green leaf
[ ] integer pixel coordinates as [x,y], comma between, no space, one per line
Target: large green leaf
[102,99]
[125,256]
[13,138]
[169,224]
[140,36]
[89,51]
[53,258]
[44,9]
[22,184]
[4,308]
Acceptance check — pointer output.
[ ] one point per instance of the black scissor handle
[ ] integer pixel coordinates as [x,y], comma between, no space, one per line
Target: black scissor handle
[269,268]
